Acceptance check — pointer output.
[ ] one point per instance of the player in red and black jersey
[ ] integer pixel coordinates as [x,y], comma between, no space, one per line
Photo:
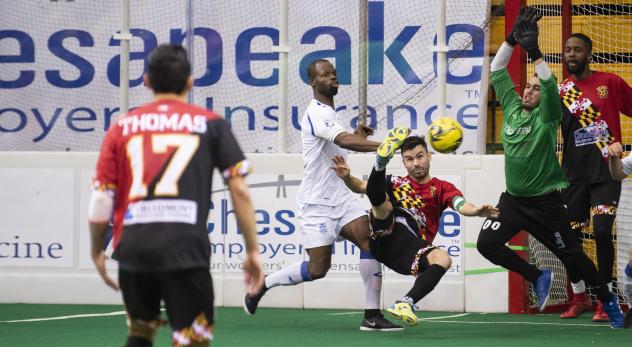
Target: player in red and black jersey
[405,216]
[154,178]
[591,104]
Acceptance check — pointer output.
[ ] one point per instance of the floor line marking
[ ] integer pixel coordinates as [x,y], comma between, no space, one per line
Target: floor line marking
[343,313]
[451,316]
[526,323]
[115,313]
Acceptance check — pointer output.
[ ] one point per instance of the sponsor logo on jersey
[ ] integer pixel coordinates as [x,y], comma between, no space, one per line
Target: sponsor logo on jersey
[161,211]
[592,133]
[509,130]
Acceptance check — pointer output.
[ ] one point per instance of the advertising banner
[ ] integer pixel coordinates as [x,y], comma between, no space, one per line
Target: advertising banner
[59,79]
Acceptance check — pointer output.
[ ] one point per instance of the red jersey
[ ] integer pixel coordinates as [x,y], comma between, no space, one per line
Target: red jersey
[159,160]
[590,122]
[425,202]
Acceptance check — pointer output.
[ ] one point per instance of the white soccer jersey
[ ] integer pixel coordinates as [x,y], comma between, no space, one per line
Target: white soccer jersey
[627,165]
[321,186]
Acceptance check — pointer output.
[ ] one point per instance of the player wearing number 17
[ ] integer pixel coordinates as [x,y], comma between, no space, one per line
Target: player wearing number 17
[154,178]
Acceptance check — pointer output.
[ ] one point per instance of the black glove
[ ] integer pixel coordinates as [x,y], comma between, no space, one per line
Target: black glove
[525,15]
[527,34]
[511,37]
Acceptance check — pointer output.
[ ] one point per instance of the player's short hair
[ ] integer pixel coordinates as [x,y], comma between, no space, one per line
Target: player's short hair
[311,68]
[168,69]
[412,142]
[584,38]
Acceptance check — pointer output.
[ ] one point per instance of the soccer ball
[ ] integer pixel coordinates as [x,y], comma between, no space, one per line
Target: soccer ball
[445,135]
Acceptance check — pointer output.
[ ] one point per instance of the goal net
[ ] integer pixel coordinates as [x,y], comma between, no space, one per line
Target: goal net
[608,25]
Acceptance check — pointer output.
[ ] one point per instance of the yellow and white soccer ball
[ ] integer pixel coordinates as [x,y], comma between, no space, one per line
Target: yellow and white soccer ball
[445,135]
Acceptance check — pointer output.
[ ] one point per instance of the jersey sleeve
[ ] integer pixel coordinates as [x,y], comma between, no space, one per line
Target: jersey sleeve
[227,154]
[325,125]
[550,104]
[505,89]
[448,193]
[624,92]
[627,165]
[106,175]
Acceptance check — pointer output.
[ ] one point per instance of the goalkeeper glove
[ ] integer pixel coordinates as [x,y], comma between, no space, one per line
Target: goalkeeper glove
[527,34]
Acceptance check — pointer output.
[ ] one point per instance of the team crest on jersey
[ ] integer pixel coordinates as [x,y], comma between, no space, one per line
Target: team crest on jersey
[433,191]
[602,91]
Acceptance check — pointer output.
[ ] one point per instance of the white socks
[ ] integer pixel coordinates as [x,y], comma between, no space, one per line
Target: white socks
[290,275]
[371,271]
[578,287]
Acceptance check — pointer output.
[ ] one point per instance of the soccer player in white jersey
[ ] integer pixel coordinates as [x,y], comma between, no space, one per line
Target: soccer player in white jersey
[620,169]
[329,211]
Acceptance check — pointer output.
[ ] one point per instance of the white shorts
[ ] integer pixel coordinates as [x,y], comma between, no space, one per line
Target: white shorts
[321,225]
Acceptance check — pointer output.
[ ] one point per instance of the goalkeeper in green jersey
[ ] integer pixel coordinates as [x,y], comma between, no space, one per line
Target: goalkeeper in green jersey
[533,175]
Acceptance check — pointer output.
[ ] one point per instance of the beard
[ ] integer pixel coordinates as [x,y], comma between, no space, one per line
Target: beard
[579,67]
[526,106]
[418,174]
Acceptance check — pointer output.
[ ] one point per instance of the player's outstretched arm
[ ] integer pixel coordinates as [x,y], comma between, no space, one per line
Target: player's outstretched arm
[245,215]
[343,171]
[356,142]
[471,210]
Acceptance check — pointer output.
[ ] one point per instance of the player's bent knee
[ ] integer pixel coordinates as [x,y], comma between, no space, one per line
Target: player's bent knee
[439,257]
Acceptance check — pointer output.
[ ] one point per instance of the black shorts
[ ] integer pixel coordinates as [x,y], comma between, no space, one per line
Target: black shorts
[580,198]
[400,250]
[187,295]
[544,217]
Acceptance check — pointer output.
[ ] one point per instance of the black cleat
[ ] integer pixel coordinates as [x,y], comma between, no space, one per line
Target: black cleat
[379,323]
[628,319]
[252,301]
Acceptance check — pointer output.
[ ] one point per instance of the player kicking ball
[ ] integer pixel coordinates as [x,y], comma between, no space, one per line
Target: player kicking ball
[404,216]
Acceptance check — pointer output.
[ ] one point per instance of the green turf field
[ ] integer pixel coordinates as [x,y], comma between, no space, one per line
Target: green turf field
[104,325]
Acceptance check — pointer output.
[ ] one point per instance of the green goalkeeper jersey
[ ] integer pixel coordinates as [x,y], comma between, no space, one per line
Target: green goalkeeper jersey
[531,165]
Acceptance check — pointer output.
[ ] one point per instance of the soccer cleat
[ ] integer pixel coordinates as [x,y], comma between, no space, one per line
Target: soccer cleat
[379,323]
[615,315]
[403,311]
[252,301]
[579,304]
[600,315]
[542,288]
[392,142]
